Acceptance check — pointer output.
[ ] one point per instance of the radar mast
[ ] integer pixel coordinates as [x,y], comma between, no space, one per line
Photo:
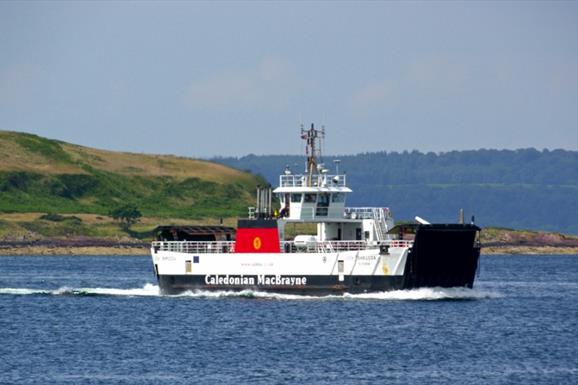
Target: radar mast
[313,144]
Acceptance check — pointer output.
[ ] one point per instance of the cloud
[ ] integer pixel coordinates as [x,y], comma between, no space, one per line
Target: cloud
[438,74]
[427,78]
[372,97]
[563,78]
[270,85]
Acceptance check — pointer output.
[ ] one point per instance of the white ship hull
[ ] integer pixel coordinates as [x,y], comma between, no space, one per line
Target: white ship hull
[441,256]
[351,271]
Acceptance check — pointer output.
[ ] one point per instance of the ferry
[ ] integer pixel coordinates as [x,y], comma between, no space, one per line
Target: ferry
[346,249]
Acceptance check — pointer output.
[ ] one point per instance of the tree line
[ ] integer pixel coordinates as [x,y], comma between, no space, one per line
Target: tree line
[525,188]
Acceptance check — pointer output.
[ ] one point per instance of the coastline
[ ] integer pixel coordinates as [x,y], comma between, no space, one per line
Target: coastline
[529,250]
[80,251]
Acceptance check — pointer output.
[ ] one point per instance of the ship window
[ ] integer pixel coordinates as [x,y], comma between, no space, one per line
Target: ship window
[338,197]
[323,200]
[310,198]
[296,198]
[188,267]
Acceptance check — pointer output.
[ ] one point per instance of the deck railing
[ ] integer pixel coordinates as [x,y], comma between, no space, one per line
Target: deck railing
[225,247]
[195,247]
[366,212]
[317,180]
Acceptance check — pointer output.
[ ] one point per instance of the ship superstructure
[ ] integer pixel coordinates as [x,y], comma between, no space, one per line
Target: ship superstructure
[352,250]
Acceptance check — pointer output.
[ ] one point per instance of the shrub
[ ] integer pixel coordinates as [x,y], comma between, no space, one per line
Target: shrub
[126,215]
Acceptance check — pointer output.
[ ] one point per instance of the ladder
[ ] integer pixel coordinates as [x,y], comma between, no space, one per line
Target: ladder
[379,223]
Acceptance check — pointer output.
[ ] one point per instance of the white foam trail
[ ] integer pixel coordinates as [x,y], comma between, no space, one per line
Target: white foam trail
[428,294]
[146,291]
[64,291]
[150,290]
[246,294]
[423,294]
[22,291]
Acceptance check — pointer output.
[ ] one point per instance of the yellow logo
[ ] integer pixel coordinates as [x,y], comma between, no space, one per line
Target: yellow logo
[385,270]
[257,243]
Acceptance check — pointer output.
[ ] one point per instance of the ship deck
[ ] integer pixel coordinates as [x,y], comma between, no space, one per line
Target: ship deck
[224,247]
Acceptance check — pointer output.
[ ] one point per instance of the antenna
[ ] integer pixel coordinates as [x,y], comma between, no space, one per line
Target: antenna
[322,141]
[301,126]
[313,143]
[336,161]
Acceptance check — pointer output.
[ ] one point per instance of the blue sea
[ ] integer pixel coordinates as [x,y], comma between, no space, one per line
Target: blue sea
[101,320]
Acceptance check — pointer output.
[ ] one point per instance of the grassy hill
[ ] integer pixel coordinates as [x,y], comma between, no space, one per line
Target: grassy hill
[39,175]
[80,185]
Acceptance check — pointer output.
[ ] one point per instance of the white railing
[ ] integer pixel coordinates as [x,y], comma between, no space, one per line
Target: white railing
[225,247]
[325,246]
[398,243]
[318,180]
[358,245]
[195,247]
[366,212]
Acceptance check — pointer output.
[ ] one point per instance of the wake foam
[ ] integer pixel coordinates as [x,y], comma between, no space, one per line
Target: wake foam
[428,294]
[423,294]
[150,290]
[147,291]
[18,291]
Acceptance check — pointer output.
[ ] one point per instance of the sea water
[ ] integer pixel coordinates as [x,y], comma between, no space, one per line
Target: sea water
[101,320]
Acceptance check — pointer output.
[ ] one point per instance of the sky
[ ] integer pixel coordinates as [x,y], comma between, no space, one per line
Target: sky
[204,79]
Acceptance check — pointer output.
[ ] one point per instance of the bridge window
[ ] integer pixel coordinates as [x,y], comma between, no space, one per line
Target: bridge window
[323,200]
[296,198]
[338,197]
[310,198]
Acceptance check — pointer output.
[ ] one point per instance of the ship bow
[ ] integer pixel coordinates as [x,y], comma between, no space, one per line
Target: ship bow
[443,255]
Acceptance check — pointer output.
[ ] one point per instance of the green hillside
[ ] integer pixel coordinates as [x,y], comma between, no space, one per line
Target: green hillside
[39,175]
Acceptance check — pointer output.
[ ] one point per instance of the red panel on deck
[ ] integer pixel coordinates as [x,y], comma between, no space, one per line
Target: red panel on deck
[257,240]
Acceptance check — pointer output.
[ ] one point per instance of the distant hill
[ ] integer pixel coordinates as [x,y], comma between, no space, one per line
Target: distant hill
[43,175]
[523,189]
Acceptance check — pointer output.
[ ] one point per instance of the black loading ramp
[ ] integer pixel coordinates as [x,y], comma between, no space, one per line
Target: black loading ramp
[443,255]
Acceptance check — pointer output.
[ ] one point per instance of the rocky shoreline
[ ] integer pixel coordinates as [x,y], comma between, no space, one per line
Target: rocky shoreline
[529,250]
[82,246]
